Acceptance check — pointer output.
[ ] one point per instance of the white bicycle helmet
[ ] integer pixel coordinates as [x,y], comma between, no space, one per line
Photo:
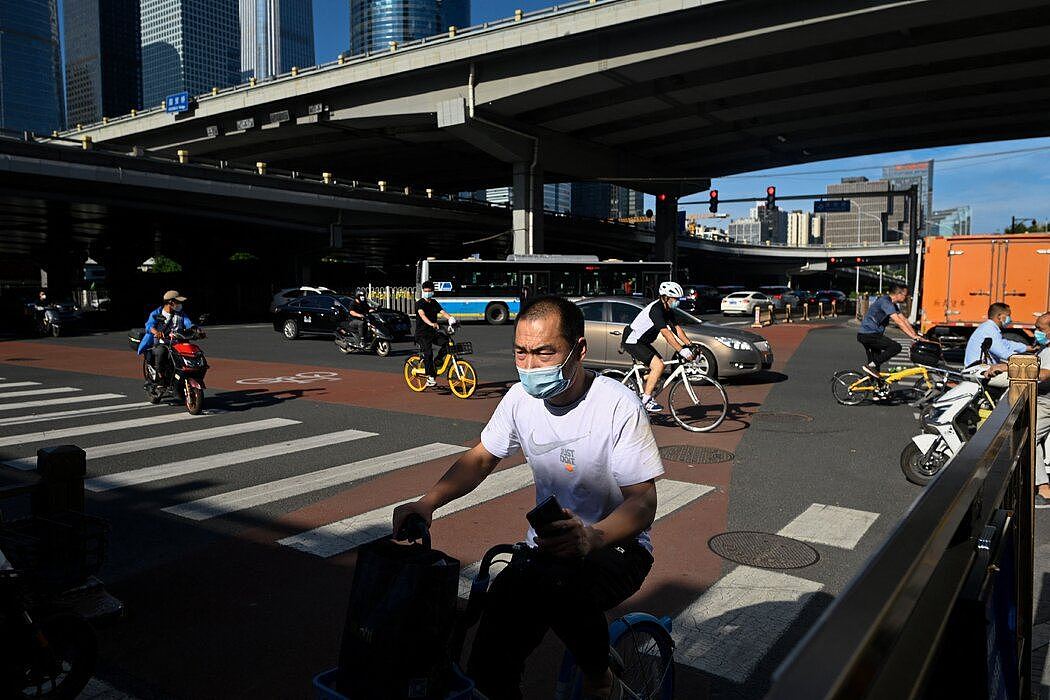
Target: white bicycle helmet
[671,289]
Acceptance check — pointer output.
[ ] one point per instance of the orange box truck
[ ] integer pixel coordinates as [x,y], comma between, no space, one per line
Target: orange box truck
[963,275]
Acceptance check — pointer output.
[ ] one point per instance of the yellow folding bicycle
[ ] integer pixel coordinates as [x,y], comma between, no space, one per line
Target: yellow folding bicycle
[462,379]
[851,387]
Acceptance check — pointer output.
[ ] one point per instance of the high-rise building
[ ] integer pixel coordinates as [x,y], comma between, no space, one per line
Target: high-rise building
[191,45]
[903,176]
[601,200]
[774,224]
[376,23]
[103,59]
[746,231]
[803,229]
[557,197]
[870,220]
[950,222]
[30,66]
[276,36]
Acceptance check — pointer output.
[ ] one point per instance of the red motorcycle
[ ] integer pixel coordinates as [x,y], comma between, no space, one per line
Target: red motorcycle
[181,372]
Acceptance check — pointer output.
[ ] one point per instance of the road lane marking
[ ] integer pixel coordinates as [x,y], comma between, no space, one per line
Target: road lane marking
[671,496]
[12,385]
[63,433]
[170,440]
[37,392]
[344,535]
[83,398]
[830,525]
[59,415]
[224,503]
[223,459]
[734,624]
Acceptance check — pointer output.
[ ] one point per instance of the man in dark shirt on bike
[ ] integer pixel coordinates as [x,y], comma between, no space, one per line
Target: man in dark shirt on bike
[428,331]
[872,333]
[358,317]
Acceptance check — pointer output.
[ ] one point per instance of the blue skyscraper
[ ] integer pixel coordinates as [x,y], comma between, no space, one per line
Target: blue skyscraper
[30,66]
[375,23]
[103,59]
[191,45]
[276,35]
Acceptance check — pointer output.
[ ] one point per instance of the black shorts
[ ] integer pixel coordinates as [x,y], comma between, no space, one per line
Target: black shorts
[643,352]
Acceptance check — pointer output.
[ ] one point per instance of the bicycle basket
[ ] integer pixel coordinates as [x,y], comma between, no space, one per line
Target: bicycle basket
[57,551]
[464,348]
[925,353]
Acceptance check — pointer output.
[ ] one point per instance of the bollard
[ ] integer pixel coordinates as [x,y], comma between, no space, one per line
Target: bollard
[327,177]
[295,71]
[80,127]
[430,193]
[771,319]
[805,311]
[184,156]
[820,309]
[758,317]
[452,32]
[518,15]
[85,143]
[260,167]
[787,313]
[251,81]
[341,59]
[408,190]
[61,469]
[214,90]
[393,46]
[382,185]
[105,120]
[134,112]
[833,312]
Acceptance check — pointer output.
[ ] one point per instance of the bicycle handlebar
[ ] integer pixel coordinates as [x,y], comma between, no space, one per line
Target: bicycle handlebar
[414,528]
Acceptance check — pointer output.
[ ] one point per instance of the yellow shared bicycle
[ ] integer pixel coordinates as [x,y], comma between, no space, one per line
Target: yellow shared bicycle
[462,379]
[851,387]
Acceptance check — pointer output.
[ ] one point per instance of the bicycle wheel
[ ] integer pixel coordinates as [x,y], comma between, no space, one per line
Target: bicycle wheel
[462,379]
[645,652]
[619,375]
[698,403]
[415,373]
[850,387]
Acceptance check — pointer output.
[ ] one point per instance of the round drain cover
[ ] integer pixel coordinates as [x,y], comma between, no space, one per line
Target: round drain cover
[691,454]
[782,417]
[763,549]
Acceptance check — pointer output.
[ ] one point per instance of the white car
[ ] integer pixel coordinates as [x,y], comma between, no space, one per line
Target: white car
[743,303]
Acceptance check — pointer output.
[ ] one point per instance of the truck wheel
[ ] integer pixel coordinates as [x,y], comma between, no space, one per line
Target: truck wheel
[497,314]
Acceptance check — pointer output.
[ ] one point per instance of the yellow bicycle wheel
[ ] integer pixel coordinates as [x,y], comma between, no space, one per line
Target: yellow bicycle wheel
[415,373]
[462,379]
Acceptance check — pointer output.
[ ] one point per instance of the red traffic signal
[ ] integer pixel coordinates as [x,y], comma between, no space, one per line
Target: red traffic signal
[662,197]
[713,201]
[771,197]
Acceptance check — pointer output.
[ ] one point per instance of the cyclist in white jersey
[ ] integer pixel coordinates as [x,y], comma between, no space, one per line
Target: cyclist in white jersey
[657,319]
[589,443]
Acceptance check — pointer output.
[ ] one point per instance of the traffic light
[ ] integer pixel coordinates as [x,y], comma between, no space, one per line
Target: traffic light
[662,197]
[713,201]
[771,197]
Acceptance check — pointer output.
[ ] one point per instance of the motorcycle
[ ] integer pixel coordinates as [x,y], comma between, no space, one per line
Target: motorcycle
[182,375]
[54,319]
[377,339]
[948,420]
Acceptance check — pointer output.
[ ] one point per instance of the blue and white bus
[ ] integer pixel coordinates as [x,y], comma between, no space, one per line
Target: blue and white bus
[493,290]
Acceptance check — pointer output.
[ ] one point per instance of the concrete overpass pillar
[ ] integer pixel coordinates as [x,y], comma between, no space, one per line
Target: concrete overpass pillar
[666,243]
[527,200]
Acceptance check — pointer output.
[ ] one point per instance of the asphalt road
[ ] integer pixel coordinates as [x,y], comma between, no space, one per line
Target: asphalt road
[234,533]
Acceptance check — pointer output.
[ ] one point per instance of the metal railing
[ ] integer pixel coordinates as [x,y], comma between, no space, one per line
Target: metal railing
[944,607]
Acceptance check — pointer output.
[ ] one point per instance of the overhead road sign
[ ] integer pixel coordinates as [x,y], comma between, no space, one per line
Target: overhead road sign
[831,206]
[179,102]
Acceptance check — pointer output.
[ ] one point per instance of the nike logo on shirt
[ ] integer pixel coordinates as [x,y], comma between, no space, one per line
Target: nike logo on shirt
[543,448]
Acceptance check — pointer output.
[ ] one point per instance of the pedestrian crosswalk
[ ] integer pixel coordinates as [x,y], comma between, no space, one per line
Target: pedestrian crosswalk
[192,470]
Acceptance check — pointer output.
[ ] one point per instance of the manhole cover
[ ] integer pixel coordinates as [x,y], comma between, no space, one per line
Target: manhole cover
[691,454]
[782,417]
[763,549]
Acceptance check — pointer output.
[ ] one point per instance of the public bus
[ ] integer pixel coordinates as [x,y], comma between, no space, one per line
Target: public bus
[493,290]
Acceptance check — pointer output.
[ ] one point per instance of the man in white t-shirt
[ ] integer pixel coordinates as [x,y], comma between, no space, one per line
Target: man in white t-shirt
[589,443]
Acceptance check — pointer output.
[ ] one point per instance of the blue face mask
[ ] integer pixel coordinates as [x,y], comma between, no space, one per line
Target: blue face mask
[1040,337]
[546,382]
[428,295]
[1007,321]
[673,303]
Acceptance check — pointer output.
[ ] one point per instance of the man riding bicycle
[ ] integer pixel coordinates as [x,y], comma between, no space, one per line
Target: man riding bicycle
[589,443]
[657,319]
[872,333]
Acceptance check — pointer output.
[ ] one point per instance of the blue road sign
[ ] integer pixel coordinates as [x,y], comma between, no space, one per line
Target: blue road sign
[179,102]
[831,206]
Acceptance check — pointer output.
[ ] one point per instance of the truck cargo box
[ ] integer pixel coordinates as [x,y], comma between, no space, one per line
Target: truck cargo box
[963,275]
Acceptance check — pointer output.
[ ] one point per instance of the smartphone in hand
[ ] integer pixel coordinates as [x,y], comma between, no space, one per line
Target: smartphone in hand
[545,513]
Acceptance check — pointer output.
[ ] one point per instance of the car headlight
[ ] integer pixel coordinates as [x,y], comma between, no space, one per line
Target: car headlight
[734,343]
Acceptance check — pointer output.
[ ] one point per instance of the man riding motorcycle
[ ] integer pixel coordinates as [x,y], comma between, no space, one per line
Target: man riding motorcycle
[359,310]
[160,323]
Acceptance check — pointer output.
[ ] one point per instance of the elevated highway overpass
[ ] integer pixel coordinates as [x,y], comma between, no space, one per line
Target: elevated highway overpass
[658,94]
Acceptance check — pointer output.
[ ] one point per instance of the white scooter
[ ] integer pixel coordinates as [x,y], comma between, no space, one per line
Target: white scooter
[948,422]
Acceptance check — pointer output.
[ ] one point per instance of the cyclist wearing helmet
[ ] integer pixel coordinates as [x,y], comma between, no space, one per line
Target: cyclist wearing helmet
[654,320]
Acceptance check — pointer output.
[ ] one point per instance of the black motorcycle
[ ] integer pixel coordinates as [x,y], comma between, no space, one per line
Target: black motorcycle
[378,335]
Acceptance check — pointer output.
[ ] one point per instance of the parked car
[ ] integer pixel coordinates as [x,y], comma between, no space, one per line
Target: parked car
[727,289]
[725,352]
[286,295]
[320,314]
[743,303]
[781,296]
[828,295]
[700,297]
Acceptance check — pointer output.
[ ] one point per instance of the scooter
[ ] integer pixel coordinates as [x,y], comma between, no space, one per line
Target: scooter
[948,421]
[378,337]
[183,373]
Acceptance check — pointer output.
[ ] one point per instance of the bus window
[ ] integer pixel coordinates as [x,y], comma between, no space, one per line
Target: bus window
[565,283]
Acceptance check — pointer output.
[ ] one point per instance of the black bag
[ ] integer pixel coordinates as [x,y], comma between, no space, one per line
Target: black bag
[399,623]
[925,353]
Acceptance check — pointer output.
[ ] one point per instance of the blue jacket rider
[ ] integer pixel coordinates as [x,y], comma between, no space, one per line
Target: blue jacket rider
[159,322]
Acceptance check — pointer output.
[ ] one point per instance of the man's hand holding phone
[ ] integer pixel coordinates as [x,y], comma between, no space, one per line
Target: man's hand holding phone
[560,532]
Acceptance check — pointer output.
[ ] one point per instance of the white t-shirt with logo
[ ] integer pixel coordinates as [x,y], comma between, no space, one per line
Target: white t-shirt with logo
[582,453]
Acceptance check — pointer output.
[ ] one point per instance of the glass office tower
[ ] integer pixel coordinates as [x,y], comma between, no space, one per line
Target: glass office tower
[191,45]
[276,35]
[103,59]
[30,66]
[375,23]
